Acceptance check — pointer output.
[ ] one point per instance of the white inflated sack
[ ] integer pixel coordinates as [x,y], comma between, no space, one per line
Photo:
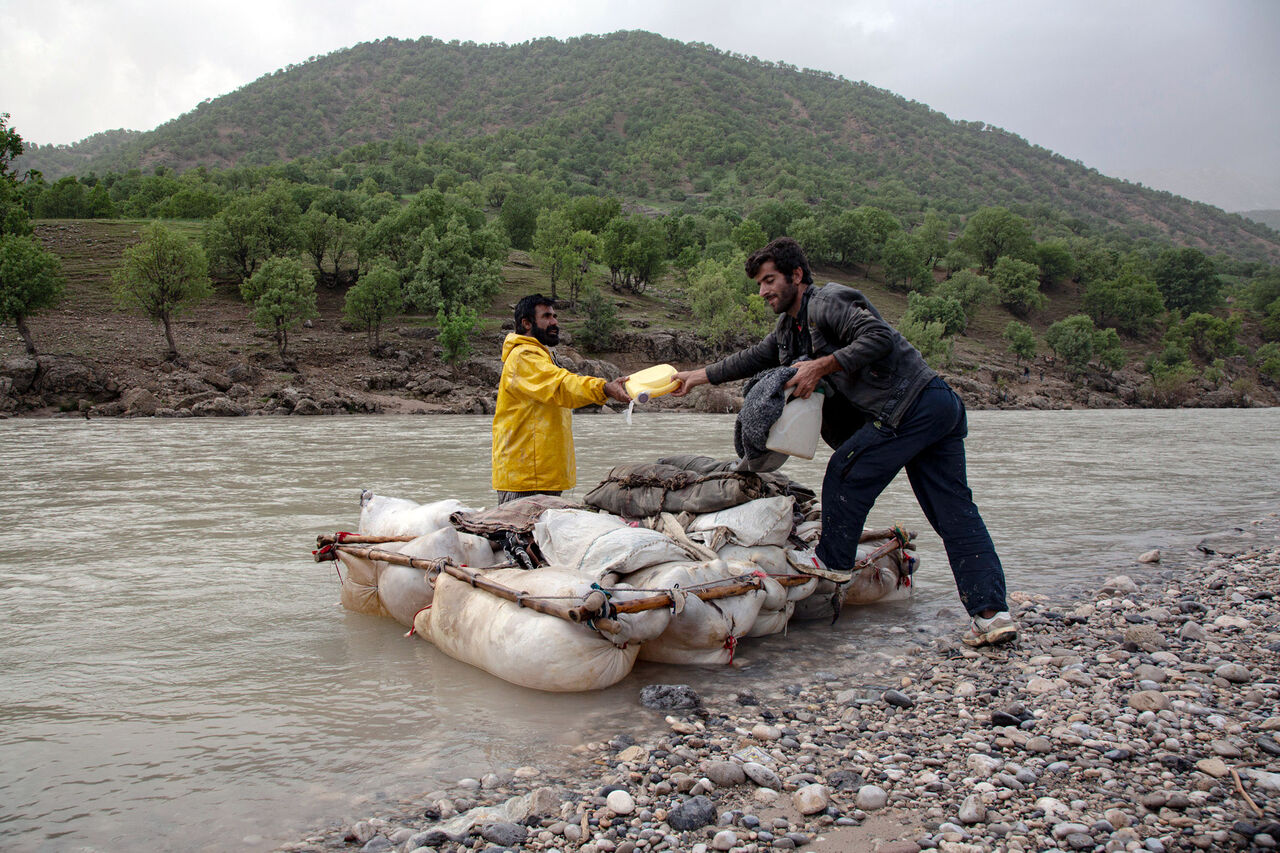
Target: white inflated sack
[359,592]
[562,535]
[879,581]
[875,583]
[772,621]
[597,544]
[523,646]
[462,549]
[384,589]
[389,589]
[766,521]
[383,516]
[700,631]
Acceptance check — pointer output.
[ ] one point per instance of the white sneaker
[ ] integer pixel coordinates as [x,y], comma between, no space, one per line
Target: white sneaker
[807,562]
[997,630]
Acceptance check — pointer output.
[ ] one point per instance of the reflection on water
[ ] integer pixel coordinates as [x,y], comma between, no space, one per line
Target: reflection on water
[168,639]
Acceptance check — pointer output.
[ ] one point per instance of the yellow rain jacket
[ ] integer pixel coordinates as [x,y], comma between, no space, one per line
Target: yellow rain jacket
[533,421]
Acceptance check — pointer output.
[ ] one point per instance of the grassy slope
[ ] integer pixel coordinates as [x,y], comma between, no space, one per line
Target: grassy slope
[218,331]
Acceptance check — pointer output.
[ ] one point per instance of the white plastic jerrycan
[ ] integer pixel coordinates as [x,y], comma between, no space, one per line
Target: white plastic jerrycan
[652,382]
[796,430]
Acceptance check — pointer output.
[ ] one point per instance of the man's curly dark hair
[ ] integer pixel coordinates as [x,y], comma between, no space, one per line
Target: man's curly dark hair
[786,255]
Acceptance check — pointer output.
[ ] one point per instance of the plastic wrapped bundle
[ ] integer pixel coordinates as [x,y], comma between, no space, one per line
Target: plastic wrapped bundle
[530,648]
[597,544]
[767,521]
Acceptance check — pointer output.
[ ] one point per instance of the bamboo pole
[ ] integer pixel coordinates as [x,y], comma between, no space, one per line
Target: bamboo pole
[358,539]
[577,613]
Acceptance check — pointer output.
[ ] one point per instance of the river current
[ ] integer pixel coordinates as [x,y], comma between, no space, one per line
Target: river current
[178,675]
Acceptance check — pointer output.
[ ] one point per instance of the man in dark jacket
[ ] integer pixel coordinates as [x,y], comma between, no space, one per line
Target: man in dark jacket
[888,411]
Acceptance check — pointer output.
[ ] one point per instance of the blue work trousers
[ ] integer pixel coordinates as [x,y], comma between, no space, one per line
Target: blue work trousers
[929,443]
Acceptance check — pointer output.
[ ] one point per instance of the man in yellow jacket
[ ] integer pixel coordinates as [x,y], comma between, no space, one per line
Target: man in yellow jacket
[533,421]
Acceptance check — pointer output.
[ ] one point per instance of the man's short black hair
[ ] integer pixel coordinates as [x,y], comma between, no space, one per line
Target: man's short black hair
[527,309]
[786,255]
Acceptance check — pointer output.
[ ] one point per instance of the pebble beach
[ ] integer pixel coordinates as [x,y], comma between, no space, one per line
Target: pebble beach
[1140,713]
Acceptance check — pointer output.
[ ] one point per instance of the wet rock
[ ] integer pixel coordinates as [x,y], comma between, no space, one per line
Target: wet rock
[871,797]
[1152,556]
[1118,585]
[972,810]
[811,799]
[693,813]
[669,697]
[621,802]
[725,839]
[307,406]
[504,834]
[1193,631]
[898,699]
[1146,637]
[1229,543]
[725,774]
[429,838]
[1149,700]
[1234,672]
[761,775]
[361,831]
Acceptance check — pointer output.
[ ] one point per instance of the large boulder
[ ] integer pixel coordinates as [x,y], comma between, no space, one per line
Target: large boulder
[61,379]
[218,407]
[21,371]
[139,402]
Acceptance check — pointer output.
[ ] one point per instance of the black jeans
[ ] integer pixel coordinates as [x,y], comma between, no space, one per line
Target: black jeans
[929,443]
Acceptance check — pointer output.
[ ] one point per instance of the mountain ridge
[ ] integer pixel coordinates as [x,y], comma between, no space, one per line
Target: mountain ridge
[652,119]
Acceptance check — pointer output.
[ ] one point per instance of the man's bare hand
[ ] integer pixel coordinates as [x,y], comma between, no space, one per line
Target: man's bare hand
[808,373]
[617,389]
[690,379]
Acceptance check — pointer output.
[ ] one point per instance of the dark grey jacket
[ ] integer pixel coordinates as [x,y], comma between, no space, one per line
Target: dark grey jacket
[881,373]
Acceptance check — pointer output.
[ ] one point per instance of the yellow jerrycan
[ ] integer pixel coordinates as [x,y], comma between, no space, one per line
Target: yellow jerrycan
[652,382]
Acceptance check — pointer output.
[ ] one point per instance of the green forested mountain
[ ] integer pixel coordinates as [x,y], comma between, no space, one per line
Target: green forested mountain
[656,121]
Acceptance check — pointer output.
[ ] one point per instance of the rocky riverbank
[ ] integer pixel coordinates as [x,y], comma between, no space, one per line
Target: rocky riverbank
[402,381]
[1142,715]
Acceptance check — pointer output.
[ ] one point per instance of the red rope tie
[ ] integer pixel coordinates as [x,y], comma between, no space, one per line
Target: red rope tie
[414,629]
[908,570]
[341,536]
[731,643]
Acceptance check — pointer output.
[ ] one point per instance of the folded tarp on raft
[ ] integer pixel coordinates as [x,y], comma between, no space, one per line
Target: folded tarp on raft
[693,484]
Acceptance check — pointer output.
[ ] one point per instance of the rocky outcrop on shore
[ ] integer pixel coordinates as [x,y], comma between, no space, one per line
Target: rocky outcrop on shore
[1143,716]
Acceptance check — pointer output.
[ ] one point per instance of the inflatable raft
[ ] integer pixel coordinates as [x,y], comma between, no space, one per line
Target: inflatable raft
[676,561]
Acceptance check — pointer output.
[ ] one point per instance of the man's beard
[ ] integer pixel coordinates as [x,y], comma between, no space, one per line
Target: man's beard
[546,337]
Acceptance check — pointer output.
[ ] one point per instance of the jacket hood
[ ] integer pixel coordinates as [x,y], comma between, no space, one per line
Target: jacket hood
[513,340]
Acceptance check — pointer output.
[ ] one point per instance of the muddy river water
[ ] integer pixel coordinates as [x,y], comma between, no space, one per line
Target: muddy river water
[177,673]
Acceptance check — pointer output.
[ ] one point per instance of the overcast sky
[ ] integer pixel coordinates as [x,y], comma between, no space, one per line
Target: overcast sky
[1180,95]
